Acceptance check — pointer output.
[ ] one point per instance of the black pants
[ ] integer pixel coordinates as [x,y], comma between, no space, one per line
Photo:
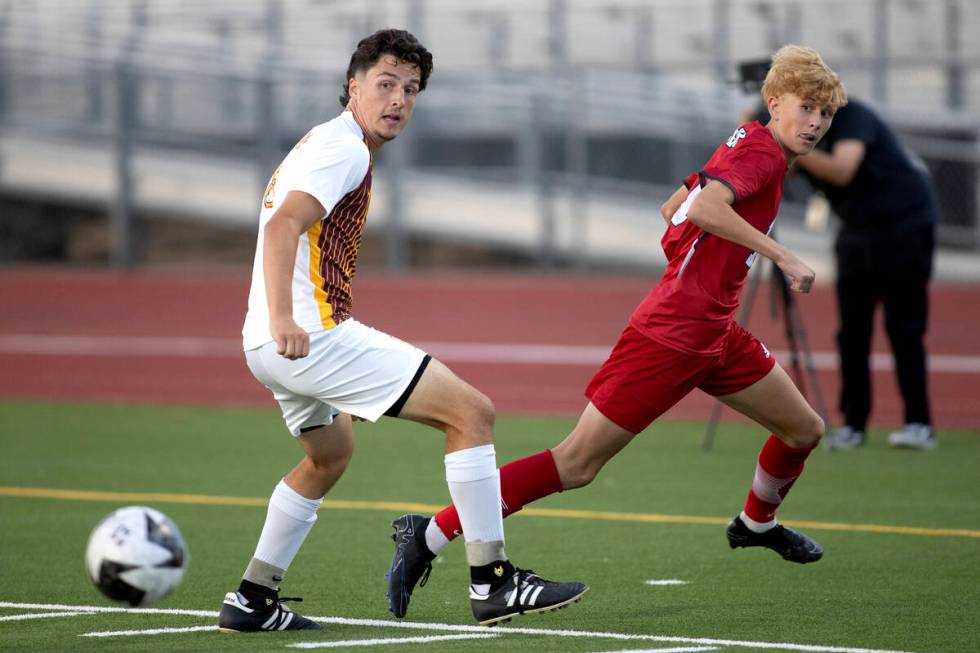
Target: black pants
[893,269]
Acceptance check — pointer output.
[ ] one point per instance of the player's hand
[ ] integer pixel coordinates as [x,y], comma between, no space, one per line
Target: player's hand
[800,274]
[292,341]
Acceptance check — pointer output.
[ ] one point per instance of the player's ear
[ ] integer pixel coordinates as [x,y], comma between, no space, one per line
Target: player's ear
[773,105]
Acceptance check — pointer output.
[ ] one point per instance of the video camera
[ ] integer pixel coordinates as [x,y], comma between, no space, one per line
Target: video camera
[752,73]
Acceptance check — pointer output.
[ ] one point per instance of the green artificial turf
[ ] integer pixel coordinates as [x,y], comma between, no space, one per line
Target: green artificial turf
[886,590]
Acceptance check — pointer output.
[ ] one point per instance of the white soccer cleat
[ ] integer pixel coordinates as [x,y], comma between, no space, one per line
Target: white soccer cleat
[914,436]
[845,438]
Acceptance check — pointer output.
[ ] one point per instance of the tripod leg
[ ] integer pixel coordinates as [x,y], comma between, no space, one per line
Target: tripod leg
[807,355]
[709,433]
[743,318]
[796,337]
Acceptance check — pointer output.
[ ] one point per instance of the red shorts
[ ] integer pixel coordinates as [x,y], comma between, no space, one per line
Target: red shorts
[643,378]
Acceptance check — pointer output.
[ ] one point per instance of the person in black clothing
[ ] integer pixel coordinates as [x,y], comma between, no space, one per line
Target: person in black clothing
[884,253]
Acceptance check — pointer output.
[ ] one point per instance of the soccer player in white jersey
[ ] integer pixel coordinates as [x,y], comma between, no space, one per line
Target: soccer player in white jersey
[324,367]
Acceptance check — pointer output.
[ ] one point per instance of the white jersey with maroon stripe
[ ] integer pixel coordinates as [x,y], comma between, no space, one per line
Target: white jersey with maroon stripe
[333,164]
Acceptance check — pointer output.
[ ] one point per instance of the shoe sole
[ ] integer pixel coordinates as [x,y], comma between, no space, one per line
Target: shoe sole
[551,608]
[920,447]
[843,447]
[394,538]
[232,631]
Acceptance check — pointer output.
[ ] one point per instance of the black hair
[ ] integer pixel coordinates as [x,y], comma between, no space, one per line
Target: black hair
[403,45]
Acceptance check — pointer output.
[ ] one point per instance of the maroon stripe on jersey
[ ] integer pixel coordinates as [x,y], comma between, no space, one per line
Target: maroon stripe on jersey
[340,242]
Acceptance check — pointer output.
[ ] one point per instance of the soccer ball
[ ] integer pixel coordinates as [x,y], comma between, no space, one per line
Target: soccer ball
[137,555]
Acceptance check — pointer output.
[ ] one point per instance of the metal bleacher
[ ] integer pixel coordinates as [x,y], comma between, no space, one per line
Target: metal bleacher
[550,128]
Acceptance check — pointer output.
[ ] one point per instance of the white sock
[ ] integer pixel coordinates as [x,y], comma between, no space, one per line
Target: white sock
[757,526]
[474,485]
[287,522]
[435,539]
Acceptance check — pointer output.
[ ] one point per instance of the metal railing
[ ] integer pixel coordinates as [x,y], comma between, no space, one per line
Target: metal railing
[555,98]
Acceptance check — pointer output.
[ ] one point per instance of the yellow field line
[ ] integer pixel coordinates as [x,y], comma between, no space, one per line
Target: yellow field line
[403,506]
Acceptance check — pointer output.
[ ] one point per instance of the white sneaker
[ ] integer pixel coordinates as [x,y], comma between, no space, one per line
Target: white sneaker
[845,438]
[914,436]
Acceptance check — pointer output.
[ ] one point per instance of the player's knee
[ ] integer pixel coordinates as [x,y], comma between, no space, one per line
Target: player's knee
[808,433]
[331,462]
[478,419]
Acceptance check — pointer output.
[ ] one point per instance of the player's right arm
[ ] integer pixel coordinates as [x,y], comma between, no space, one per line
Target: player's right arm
[712,211]
[298,212]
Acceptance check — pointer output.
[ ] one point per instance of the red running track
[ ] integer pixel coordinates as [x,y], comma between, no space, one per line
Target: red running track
[448,307]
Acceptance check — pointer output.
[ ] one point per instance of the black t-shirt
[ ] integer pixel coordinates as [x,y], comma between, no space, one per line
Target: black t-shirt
[889,190]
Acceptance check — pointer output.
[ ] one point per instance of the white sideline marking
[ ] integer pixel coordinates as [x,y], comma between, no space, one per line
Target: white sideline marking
[457,352]
[149,631]
[105,608]
[43,615]
[398,640]
[499,630]
[666,581]
[679,649]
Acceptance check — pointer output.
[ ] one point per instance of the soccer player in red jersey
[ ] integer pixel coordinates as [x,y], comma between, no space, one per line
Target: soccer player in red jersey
[683,335]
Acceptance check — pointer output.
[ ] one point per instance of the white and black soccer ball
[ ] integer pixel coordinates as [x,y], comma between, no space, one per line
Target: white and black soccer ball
[137,555]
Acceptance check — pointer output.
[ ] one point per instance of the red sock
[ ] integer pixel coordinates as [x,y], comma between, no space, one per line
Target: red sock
[521,482]
[778,468]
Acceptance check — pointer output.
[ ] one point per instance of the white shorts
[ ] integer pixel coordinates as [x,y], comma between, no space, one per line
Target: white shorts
[351,368]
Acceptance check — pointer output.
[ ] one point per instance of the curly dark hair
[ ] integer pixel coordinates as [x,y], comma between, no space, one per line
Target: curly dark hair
[403,45]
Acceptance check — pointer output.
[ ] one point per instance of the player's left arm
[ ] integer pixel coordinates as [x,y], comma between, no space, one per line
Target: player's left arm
[712,211]
[837,167]
[669,208]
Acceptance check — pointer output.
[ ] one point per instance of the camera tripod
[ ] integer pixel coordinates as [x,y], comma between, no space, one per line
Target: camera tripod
[804,370]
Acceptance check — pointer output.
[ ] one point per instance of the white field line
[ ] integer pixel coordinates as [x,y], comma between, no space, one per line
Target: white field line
[457,352]
[666,581]
[150,631]
[106,608]
[385,641]
[499,630]
[42,615]
[672,649]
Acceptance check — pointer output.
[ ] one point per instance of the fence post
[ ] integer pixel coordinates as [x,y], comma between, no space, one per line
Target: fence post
[954,56]
[121,211]
[879,55]
[577,163]
[397,158]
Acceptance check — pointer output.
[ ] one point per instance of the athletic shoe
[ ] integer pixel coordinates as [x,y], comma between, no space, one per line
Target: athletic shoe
[792,545]
[845,438]
[914,436]
[523,593]
[411,563]
[239,615]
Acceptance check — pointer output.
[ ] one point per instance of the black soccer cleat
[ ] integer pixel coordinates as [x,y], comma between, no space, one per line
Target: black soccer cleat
[411,563]
[523,593]
[791,545]
[239,615]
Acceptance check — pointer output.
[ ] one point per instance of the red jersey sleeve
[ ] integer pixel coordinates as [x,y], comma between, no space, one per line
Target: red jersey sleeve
[744,166]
